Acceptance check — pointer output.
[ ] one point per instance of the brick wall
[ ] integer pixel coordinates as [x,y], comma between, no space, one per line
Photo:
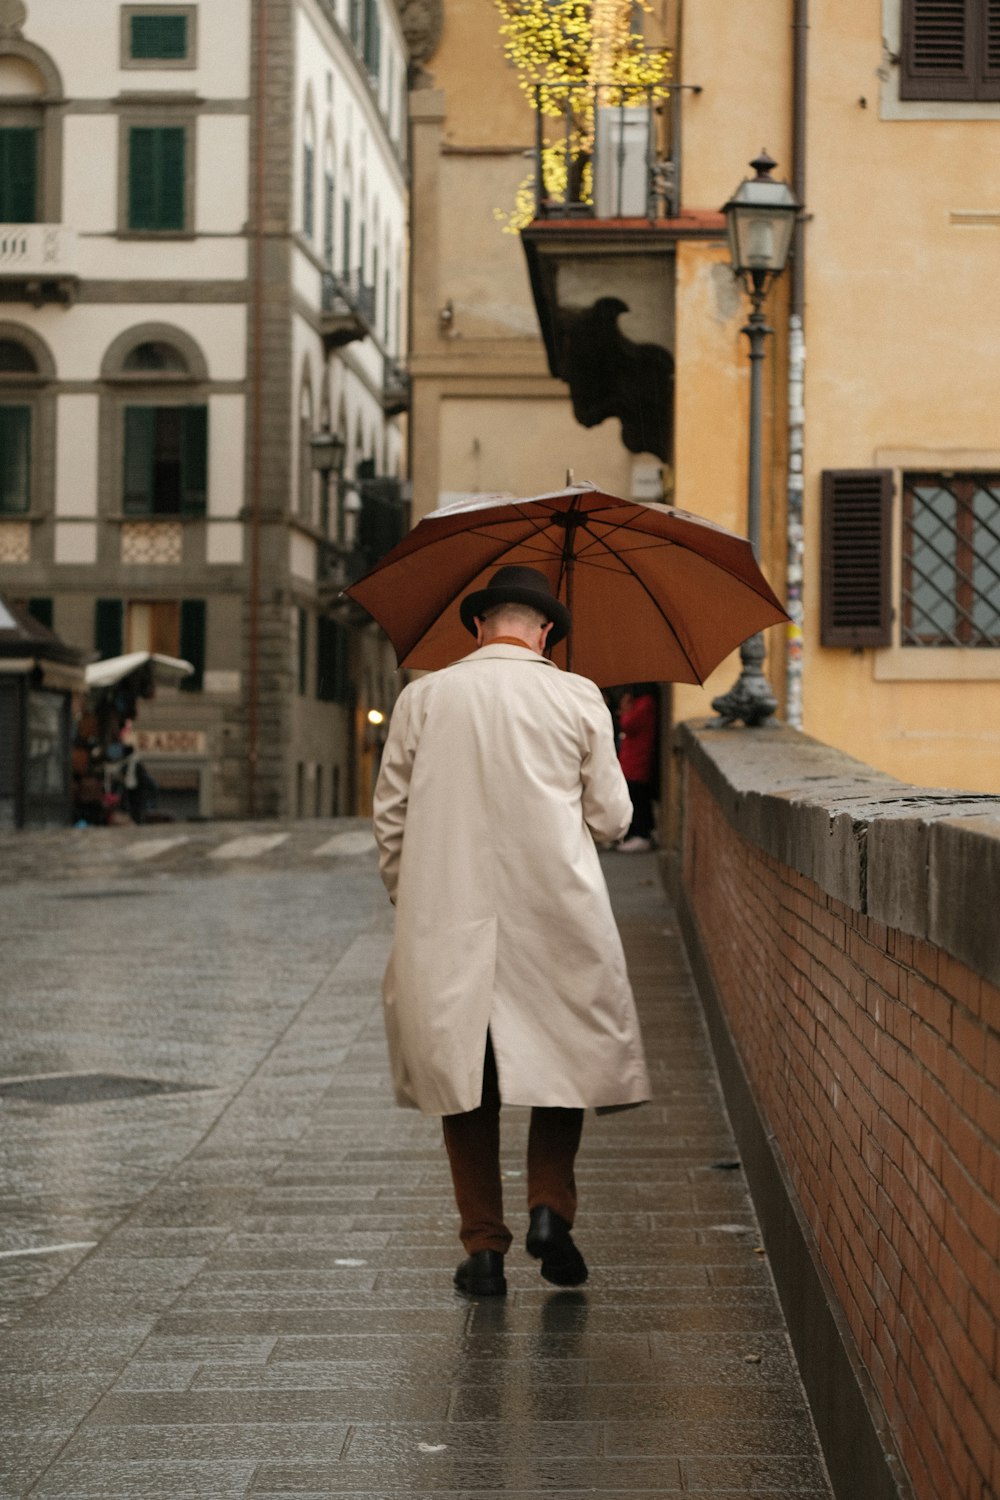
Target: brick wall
[874,1058]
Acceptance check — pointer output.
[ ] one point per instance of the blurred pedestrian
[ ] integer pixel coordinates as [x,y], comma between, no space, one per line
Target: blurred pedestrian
[507,980]
[637,753]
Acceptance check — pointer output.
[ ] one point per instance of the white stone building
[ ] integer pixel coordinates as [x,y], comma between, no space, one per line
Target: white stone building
[203,241]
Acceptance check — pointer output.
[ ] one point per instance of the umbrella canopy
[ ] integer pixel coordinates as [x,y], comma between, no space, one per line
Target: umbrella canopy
[655,594]
[165,669]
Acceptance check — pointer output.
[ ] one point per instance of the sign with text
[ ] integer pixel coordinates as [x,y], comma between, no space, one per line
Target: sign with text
[169,742]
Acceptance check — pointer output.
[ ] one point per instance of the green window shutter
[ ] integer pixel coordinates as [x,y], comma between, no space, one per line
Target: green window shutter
[41,610]
[372,37]
[303,644]
[856,572]
[328,207]
[173,152]
[141,178]
[322,652]
[18,175]
[194,460]
[156,177]
[345,248]
[308,195]
[140,439]
[342,664]
[161,37]
[108,632]
[193,642]
[15,460]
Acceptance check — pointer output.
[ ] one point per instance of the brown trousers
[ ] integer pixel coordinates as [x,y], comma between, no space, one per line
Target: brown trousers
[472,1141]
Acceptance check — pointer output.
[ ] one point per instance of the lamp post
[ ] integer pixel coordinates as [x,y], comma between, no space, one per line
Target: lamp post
[328,451]
[760,220]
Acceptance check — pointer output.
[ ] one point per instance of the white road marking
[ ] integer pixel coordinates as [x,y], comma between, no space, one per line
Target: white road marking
[153,848]
[249,846]
[48,1249]
[359,841]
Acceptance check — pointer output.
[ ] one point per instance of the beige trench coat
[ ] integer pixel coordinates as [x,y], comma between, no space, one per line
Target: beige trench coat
[498,774]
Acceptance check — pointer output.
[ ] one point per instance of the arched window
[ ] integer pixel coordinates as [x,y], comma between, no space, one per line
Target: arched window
[155,356]
[346,247]
[376,288]
[30,134]
[373,38]
[15,359]
[329,196]
[27,413]
[308,173]
[363,235]
[158,415]
[307,484]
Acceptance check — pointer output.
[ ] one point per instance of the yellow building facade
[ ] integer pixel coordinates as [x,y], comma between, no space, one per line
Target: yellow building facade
[879,425]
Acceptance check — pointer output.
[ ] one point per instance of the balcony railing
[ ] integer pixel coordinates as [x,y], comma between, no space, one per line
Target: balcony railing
[607,159]
[38,263]
[379,520]
[345,291]
[395,388]
[384,518]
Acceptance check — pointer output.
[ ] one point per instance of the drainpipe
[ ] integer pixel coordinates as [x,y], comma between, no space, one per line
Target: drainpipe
[796,375]
[257,417]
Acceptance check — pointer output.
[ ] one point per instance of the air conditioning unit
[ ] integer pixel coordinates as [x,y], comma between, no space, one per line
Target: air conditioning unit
[621,161]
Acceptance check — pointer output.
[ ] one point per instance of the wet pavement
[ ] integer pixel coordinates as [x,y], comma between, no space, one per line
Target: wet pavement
[242,1286]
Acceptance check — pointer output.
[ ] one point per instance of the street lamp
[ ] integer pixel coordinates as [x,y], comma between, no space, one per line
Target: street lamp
[760,221]
[328,451]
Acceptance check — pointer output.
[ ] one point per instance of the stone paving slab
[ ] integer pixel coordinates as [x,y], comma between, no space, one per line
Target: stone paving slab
[267,1309]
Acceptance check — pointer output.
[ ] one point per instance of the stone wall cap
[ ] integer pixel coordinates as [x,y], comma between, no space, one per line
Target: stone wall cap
[924,860]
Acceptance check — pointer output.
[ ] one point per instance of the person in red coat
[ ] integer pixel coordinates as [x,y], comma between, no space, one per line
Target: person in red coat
[637,754]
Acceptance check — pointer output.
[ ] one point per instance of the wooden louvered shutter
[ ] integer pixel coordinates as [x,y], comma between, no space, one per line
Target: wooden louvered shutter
[18,175]
[938,47]
[192,643]
[109,615]
[855,605]
[989,50]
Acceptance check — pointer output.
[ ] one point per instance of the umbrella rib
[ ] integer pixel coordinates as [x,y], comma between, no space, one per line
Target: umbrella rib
[722,566]
[649,595]
[503,545]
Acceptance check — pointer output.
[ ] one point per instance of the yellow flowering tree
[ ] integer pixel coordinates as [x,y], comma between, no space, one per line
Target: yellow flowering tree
[572,57]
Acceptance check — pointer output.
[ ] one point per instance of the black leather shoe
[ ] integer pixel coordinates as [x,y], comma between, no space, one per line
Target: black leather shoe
[550,1241]
[481,1275]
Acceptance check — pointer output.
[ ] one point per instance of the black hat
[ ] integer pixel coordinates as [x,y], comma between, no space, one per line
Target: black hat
[515,585]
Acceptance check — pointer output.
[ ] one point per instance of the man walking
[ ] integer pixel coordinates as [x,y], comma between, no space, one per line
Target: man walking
[507,980]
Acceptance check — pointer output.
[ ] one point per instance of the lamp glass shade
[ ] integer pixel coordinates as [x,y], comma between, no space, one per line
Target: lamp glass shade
[328,450]
[760,220]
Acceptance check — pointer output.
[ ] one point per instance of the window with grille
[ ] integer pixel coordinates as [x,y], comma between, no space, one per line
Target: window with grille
[951,560]
[165,467]
[950,49]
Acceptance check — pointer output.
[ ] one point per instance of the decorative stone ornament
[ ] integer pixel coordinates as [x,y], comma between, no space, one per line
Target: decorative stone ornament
[422,21]
[13,14]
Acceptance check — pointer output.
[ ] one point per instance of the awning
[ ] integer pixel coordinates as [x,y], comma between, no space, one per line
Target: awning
[114,669]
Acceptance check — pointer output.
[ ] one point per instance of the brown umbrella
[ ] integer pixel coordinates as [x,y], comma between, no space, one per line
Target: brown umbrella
[656,594]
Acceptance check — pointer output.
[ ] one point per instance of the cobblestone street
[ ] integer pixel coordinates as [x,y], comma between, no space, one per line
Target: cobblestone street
[226,1256]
